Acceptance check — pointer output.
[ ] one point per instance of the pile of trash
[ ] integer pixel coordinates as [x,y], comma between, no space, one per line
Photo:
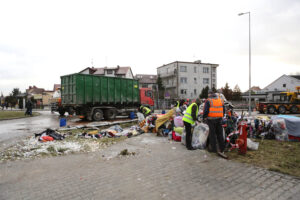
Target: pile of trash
[57,142]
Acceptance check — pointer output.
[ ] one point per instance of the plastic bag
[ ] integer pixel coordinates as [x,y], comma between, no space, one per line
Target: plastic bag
[178,121]
[140,116]
[280,130]
[200,136]
[252,145]
[178,130]
[183,138]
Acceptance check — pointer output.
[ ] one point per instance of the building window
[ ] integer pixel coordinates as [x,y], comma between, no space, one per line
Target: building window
[167,70]
[195,80]
[206,81]
[183,80]
[109,71]
[214,86]
[205,70]
[183,69]
[214,75]
[195,69]
[195,92]
[214,80]
[183,91]
[284,85]
[214,69]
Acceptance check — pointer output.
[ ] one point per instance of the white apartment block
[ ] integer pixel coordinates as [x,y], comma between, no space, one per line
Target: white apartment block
[187,79]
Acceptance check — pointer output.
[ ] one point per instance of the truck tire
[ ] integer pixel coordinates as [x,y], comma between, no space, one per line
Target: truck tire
[281,110]
[271,110]
[71,111]
[110,114]
[61,112]
[97,115]
[294,109]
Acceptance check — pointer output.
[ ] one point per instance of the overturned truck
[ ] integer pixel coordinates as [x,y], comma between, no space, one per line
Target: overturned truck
[97,97]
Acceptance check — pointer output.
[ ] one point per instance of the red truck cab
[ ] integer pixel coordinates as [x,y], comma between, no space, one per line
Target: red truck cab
[147,97]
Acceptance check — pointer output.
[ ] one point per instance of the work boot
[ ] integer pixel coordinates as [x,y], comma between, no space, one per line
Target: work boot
[222,154]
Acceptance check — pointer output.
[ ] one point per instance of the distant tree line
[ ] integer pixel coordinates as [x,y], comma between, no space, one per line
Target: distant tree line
[229,94]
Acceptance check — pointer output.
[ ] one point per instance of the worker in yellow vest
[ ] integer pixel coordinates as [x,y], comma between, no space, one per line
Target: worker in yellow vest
[214,111]
[145,110]
[189,119]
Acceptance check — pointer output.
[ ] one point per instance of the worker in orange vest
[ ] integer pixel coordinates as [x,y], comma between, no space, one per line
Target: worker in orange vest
[214,111]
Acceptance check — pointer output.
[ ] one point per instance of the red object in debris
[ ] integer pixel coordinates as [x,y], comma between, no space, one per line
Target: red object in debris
[242,141]
[47,138]
[175,137]
[294,138]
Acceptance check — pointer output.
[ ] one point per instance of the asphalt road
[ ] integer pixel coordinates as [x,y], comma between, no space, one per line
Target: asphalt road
[16,128]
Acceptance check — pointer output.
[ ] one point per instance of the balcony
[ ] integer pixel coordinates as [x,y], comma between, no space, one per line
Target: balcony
[170,74]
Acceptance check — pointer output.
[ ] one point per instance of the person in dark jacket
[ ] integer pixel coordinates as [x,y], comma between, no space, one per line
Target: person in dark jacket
[214,111]
[28,108]
[189,119]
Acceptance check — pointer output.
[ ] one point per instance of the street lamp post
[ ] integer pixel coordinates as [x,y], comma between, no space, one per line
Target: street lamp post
[249,62]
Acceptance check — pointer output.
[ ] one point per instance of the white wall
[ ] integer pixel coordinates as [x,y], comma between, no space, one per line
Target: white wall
[129,74]
[277,85]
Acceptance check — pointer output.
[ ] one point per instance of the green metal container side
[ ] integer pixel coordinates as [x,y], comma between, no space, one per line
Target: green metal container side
[80,89]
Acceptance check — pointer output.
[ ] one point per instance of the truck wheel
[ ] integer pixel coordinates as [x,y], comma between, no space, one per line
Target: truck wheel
[71,111]
[271,109]
[110,114]
[294,109]
[281,110]
[97,115]
[61,112]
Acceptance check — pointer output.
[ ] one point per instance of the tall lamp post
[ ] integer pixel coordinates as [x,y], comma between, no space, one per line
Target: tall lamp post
[249,62]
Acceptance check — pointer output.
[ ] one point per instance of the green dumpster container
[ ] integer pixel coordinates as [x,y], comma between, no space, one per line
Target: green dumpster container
[82,89]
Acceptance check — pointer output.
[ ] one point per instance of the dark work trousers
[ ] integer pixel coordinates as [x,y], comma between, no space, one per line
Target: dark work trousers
[188,130]
[216,133]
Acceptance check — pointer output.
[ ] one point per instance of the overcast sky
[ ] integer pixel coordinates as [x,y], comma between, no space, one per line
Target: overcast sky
[42,40]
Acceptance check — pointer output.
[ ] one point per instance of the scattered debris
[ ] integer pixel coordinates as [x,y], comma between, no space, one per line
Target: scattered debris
[125,152]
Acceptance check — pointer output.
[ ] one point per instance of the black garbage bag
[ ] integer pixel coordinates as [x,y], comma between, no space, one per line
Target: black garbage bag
[52,133]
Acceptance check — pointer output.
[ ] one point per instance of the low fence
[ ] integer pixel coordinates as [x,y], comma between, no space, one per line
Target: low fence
[162,104]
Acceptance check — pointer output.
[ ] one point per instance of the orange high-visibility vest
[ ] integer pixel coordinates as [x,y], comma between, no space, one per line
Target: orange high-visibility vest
[216,108]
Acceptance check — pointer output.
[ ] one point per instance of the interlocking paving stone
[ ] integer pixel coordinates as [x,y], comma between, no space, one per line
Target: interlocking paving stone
[157,171]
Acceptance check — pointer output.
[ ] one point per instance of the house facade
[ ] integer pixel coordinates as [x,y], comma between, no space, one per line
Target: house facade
[122,72]
[284,83]
[187,79]
[147,81]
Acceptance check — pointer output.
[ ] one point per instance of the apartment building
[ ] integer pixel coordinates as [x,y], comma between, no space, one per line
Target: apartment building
[187,79]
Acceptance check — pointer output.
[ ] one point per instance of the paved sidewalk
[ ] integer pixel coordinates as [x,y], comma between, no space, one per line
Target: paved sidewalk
[159,170]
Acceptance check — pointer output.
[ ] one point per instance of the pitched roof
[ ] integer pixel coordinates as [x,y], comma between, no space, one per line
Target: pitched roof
[56,87]
[290,76]
[101,71]
[35,90]
[295,76]
[146,78]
